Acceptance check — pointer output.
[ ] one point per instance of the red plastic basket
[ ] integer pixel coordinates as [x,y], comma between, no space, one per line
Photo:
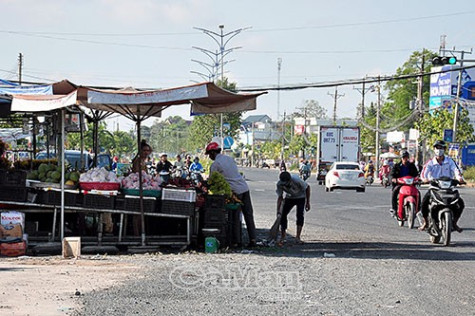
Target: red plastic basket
[107,186]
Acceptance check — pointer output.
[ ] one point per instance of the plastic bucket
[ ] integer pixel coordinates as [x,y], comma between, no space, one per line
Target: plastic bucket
[211,245]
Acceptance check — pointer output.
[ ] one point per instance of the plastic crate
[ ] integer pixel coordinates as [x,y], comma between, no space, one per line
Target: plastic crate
[13,178]
[215,201]
[179,195]
[133,204]
[13,194]
[98,201]
[178,208]
[136,192]
[216,215]
[54,198]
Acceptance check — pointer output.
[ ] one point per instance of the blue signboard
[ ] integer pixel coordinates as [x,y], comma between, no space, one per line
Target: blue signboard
[228,142]
[441,83]
[448,135]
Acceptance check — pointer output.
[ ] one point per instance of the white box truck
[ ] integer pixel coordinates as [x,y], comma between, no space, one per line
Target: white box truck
[336,143]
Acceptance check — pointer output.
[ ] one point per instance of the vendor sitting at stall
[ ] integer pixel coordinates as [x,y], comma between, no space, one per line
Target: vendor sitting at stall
[142,157]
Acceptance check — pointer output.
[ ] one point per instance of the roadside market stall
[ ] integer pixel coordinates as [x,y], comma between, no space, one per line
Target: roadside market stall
[137,106]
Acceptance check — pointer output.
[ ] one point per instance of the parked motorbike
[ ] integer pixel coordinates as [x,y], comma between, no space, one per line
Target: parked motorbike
[408,201]
[196,177]
[444,199]
[165,176]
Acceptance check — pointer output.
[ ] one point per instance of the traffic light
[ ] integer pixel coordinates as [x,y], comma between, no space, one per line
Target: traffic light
[444,60]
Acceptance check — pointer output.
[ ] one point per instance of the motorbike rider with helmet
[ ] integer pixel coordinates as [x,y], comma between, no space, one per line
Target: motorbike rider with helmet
[369,170]
[441,166]
[401,169]
[384,170]
[226,166]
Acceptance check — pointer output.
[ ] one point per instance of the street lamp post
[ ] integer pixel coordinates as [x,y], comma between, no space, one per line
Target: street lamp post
[220,39]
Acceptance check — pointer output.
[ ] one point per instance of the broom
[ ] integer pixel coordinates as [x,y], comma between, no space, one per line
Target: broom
[275,228]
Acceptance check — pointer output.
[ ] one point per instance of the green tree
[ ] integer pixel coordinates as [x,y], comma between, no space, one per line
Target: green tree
[368,135]
[169,135]
[311,109]
[402,92]
[204,127]
[432,126]
[106,138]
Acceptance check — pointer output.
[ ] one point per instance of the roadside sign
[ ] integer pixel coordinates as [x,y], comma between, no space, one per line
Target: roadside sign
[228,142]
[448,135]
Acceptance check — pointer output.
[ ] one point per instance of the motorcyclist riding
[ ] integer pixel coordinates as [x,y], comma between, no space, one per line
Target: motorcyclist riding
[369,170]
[437,167]
[401,169]
[304,170]
[384,170]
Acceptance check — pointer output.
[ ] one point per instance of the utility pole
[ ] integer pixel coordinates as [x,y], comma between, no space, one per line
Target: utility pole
[420,103]
[457,99]
[279,63]
[378,109]
[442,50]
[20,67]
[335,96]
[363,91]
[283,139]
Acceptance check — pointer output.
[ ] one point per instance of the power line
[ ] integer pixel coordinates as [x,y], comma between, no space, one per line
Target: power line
[347,81]
[253,31]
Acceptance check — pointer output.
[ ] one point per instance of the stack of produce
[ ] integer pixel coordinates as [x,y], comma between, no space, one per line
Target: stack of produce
[148,182]
[100,175]
[99,179]
[52,173]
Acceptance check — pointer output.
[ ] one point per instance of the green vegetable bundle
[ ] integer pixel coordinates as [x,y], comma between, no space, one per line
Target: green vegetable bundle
[218,185]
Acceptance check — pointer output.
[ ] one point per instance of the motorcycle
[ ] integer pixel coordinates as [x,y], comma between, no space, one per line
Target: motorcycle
[196,177]
[385,181]
[443,201]
[265,165]
[304,175]
[408,201]
[165,176]
[369,178]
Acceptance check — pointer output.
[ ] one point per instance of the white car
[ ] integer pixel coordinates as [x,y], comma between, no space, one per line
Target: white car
[345,175]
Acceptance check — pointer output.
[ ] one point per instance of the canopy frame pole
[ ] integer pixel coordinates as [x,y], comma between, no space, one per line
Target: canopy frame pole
[62,171]
[139,141]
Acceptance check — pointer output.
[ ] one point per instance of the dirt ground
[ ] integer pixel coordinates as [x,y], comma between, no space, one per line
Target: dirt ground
[53,285]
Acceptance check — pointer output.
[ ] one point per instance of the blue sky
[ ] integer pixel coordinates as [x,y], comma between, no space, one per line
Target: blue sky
[146,43]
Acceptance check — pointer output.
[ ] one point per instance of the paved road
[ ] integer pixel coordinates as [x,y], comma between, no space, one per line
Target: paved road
[356,261]
[352,217]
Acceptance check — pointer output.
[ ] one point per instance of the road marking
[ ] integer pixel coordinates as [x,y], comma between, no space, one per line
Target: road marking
[259,190]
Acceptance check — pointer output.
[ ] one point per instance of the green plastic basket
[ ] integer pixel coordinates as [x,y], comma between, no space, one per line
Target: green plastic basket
[232,206]
[152,193]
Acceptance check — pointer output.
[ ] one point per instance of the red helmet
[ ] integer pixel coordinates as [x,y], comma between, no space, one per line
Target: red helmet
[212,146]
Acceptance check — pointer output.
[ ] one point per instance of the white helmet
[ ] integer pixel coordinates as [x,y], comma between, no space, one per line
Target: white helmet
[385,163]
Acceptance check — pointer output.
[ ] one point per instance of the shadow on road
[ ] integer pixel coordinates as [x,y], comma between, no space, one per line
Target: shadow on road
[375,250]
[458,250]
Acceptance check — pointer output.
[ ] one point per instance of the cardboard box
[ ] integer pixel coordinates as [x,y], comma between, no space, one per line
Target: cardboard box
[12,217]
[14,249]
[11,230]
[71,247]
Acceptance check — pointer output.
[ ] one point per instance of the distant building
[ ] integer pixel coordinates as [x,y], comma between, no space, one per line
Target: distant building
[257,120]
